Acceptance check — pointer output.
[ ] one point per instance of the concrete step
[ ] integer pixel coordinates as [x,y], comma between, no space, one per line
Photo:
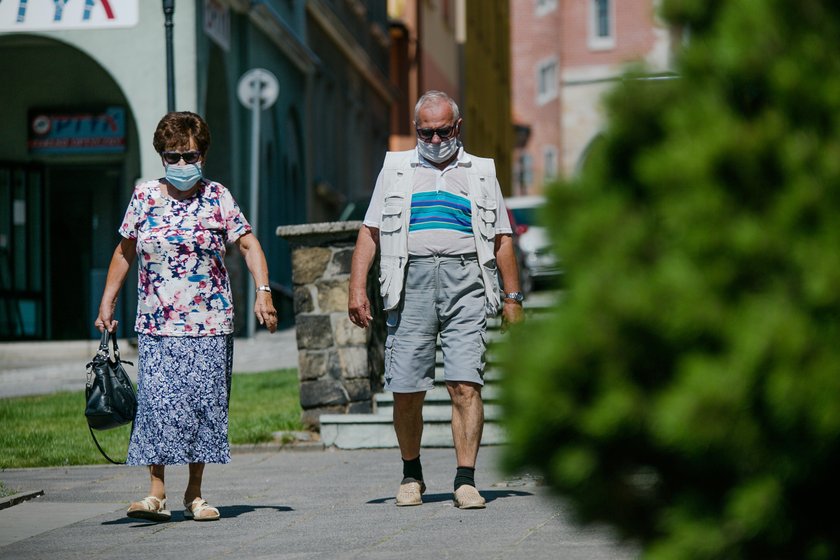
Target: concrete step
[438,411]
[364,431]
[358,431]
[489,394]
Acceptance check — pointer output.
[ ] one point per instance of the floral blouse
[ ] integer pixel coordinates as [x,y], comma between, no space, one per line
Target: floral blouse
[183,287]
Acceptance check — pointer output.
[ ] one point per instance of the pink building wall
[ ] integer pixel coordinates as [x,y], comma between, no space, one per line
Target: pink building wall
[535,39]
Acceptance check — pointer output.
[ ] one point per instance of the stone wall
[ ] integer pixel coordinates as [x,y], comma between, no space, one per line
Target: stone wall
[339,364]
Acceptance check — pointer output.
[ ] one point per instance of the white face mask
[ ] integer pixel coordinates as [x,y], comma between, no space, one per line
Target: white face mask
[438,153]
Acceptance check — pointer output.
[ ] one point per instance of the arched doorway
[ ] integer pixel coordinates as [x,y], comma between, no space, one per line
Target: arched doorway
[62,192]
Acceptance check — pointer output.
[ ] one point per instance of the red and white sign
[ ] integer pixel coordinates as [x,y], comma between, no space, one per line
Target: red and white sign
[59,15]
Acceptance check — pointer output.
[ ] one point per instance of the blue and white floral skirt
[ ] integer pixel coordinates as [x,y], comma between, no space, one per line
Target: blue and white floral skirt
[182,400]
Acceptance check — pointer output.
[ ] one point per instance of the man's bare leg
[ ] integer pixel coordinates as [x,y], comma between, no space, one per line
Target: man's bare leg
[408,424]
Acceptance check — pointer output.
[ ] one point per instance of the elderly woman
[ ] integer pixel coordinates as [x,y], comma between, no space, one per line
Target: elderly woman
[178,226]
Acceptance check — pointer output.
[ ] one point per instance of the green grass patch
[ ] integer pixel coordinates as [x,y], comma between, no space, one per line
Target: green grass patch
[50,430]
[264,403]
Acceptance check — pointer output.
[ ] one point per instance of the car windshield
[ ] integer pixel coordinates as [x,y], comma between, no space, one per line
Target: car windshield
[525,216]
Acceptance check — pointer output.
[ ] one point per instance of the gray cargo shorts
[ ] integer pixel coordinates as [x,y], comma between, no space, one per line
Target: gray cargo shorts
[443,295]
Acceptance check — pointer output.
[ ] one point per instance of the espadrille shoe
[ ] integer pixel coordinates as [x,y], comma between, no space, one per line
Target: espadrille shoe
[411,492]
[467,497]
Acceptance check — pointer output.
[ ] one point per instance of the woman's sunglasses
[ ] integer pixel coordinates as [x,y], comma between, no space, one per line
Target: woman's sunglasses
[428,133]
[174,157]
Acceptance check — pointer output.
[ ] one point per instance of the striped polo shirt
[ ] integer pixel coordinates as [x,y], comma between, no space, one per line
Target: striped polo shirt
[440,210]
[441,219]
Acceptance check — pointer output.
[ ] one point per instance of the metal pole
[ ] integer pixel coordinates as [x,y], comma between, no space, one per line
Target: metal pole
[168,12]
[256,108]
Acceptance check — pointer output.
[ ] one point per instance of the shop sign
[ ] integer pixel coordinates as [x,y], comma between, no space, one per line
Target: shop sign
[59,15]
[94,132]
[217,22]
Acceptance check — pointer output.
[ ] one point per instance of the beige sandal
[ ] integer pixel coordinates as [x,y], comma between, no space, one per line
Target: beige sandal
[200,510]
[150,508]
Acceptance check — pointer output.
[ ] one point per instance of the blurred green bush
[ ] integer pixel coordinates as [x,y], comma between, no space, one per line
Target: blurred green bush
[687,388]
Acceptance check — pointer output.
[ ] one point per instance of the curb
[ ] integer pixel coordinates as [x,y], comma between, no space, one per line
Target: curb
[19,498]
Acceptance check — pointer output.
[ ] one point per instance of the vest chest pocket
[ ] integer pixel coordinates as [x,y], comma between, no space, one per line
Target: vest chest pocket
[487,216]
[392,214]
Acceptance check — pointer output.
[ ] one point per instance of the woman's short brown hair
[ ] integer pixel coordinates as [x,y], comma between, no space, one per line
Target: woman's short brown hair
[175,129]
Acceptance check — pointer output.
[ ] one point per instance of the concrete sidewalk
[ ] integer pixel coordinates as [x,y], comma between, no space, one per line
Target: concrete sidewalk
[296,504]
[36,368]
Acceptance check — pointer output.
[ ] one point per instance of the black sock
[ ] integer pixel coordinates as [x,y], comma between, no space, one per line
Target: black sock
[413,469]
[465,475]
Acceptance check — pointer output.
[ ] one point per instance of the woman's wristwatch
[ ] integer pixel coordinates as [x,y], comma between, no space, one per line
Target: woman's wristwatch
[263,288]
[518,297]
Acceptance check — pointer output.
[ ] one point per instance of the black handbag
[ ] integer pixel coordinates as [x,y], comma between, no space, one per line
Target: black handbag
[109,393]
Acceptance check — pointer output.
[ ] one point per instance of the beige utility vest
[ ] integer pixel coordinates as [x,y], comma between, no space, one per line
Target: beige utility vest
[398,182]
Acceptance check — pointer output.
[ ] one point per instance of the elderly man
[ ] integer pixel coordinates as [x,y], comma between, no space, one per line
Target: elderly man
[438,218]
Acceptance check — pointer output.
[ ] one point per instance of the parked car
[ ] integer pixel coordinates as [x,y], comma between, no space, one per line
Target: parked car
[538,257]
[526,283]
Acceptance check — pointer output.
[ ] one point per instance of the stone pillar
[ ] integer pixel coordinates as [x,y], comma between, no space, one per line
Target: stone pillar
[340,365]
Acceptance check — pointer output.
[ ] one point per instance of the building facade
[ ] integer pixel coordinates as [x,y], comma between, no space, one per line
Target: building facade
[566,54]
[535,37]
[425,55]
[599,38]
[89,86]
[488,125]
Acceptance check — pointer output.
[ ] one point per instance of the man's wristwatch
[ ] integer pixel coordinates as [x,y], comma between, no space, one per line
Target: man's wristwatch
[518,297]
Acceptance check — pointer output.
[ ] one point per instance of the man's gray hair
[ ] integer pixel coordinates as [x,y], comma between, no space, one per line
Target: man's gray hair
[434,95]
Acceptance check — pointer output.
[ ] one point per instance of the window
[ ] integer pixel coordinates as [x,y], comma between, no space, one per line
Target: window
[549,163]
[545,6]
[601,25]
[546,80]
[525,172]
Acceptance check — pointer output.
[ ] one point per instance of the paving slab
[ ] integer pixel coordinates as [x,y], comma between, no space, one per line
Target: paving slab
[294,504]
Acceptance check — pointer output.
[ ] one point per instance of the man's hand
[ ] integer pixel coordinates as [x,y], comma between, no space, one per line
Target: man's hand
[512,313]
[358,308]
[358,304]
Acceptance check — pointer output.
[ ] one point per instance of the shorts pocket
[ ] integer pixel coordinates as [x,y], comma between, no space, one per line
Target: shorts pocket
[389,358]
[482,354]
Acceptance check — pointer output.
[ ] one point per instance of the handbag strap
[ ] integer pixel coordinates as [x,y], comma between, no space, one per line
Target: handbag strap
[103,346]
[99,447]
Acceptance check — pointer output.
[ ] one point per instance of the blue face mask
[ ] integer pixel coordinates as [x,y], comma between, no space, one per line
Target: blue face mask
[183,177]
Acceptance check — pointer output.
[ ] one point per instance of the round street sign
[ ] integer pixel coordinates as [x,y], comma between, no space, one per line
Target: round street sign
[257,83]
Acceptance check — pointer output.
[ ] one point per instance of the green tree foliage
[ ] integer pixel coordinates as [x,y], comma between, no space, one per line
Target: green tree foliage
[687,388]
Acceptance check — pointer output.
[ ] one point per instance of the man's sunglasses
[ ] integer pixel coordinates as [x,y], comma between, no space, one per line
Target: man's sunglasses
[428,133]
[174,157]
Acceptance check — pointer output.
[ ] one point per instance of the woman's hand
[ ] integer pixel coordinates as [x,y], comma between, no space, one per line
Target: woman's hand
[250,248]
[265,312]
[105,320]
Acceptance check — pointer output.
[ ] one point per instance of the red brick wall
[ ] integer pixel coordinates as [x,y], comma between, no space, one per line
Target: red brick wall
[633,32]
[533,39]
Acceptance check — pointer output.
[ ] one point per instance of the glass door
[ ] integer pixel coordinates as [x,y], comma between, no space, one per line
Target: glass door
[22,297]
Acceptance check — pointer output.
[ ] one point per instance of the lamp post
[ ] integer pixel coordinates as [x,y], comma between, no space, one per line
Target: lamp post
[168,12]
